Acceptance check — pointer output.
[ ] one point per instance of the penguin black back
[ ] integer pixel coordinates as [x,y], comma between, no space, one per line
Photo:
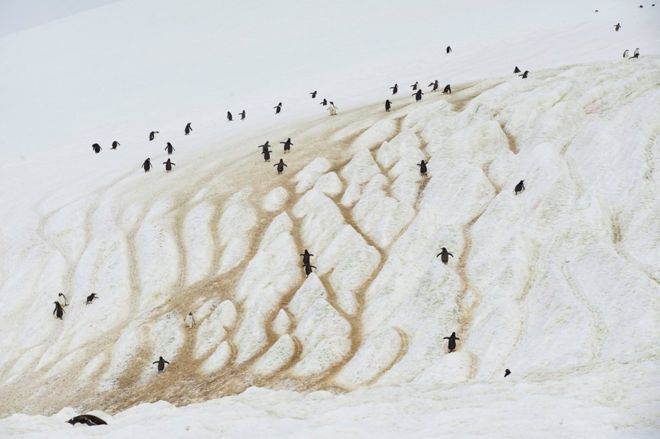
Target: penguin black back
[87,420]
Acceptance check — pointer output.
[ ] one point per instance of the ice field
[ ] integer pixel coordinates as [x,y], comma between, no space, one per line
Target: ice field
[559,283]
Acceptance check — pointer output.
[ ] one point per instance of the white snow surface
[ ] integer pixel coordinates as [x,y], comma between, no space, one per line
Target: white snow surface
[559,284]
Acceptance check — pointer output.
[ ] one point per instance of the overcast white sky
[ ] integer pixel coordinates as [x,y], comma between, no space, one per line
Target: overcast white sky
[16,15]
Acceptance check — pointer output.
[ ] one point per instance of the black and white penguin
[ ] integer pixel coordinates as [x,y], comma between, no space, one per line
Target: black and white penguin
[169,148]
[189,321]
[58,312]
[287,145]
[62,299]
[635,54]
[242,114]
[519,187]
[388,105]
[313,94]
[452,341]
[507,372]
[418,95]
[90,420]
[91,298]
[444,255]
[395,89]
[422,168]
[147,165]
[516,70]
[524,74]
[188,128]
[96,147]
[414,86]
[152,135]
[308,269]
[168,165]
[306,255]
[115,144]
[280,166]
[324,102]
[448,49]
[161,363]
[447,89]
[229,116]
[435,84]
[278,108]
[617,27]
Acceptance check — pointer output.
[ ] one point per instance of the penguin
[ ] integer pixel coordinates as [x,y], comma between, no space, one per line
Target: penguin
[445,255]
[306,255]
[152,135]
[388,105]
[422,167]
[435,84]
[169,148]
[625,53]
[617,27]
[278,108]
[266,154]
[147,165]
[115,144]
[58,312]
[96,147]
[596,10]
[395,89]
[324,102]
[161,363]
[265,146]
[447,89]
[280,166]
[516,70]
[90,420]
[448,50]
[287,145]
[308,269]
[507,372]
[62,299]
[519,187]
[188,129]
[190,321]
[641,6]
[414,86]
[524,75]
[452,341]
[229,116]
[313,94]
[635,54]
[242,114]
[168,165]
[418,95]
[332,109]
[91,298]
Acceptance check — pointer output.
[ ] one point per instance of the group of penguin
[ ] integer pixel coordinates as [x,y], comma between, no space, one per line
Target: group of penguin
[62,302]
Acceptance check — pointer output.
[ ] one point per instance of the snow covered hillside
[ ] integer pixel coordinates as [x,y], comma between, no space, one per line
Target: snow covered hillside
[558,283]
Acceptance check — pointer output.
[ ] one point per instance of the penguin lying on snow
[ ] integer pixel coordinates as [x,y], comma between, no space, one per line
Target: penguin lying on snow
[87,420]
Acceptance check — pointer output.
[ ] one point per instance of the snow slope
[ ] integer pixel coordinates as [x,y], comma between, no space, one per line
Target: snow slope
[558,284]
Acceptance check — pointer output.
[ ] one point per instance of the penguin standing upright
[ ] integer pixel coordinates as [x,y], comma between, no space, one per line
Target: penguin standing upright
[635,54]
[115,144]
[452,341]
[507,372]
[242,114]
[332,109]
[418,95]
[422,167]
[190,320]
[617,27]
[91,298]
[58,312]
[519,187]
[147,165]
[445,255]
[414,86]
[169,148]
[516,70]
[447,89]
[448,49]
[278,108]
[435,84]
[287,145]
[265,147]
[313,94]
[395,89]
[388,105]
[161,363]
[152,135]
[188,128]
[280,166]
[229,116]
[168,165]
[266,154]
[96,147]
